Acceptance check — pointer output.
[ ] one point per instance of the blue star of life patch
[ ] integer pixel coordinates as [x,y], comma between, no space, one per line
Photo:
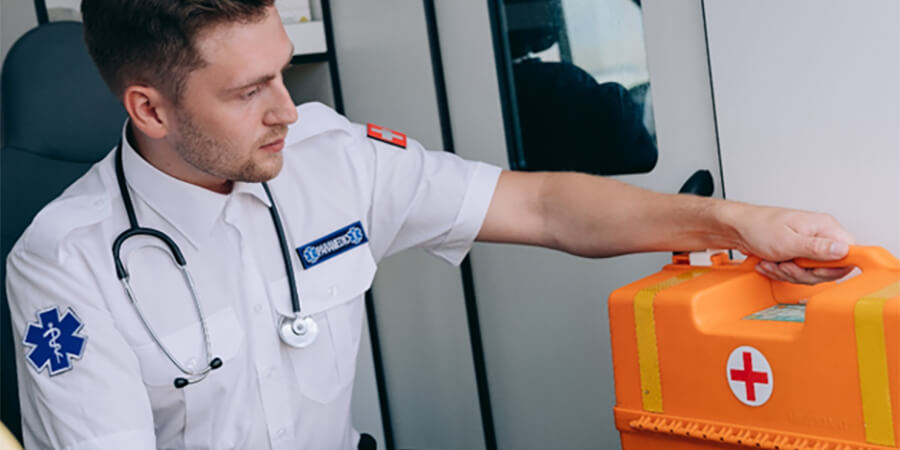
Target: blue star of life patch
[53,340]
[334,244]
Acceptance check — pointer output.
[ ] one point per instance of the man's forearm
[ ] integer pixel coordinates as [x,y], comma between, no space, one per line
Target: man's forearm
[594,216]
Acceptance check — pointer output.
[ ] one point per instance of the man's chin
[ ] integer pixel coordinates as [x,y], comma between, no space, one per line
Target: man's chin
[263,172]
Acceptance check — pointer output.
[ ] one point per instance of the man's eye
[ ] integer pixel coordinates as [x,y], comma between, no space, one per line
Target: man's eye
[251,93]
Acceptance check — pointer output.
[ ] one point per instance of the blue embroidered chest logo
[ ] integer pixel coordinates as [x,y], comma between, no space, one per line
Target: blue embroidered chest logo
[334,244]
[54,340]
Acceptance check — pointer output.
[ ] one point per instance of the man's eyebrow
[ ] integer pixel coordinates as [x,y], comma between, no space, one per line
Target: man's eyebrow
[261,80]
[265,78]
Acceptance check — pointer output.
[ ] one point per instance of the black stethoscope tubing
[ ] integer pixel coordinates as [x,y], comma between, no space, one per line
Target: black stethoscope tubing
[122,273]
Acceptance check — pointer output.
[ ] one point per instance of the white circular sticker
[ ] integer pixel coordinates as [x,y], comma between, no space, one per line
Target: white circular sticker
[749,376]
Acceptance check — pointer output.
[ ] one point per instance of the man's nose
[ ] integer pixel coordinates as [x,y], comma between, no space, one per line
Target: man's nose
[283,112]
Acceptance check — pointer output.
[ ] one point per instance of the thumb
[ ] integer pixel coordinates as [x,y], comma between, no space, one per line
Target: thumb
[823,249]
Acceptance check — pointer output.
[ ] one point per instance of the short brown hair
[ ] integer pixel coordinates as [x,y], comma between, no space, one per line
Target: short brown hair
[153,41]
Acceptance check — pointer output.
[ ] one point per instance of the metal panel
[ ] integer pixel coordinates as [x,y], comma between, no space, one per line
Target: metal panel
[386,75]
[543,313]
[808,104]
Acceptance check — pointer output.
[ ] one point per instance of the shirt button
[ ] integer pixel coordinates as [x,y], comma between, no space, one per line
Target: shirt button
[270,372]
[191,364]
[281,432]
[333,291]
[257,307]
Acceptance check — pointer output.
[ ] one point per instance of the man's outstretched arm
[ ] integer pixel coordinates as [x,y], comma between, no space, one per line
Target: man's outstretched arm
[597,217]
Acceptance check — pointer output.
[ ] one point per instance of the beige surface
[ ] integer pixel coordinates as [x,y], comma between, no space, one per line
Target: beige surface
[7,441]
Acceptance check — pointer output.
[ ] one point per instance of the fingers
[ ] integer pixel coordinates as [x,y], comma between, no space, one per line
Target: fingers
[835,273]
[792,273]
[823,249]
[797,274]
[819,237]
[831,228]
[770,270]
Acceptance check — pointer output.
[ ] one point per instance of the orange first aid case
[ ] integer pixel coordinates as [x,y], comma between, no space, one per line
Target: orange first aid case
[722,357]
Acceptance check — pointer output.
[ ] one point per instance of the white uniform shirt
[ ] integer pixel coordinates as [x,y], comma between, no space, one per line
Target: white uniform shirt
[120,393]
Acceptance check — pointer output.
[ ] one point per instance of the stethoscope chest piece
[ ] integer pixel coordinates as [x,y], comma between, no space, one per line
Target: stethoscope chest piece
[298,332]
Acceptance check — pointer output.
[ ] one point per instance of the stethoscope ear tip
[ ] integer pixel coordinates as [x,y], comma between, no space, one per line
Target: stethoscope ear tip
[181,382]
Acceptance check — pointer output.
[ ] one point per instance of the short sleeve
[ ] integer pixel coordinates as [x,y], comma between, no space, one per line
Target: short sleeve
[421,198]
[79,381]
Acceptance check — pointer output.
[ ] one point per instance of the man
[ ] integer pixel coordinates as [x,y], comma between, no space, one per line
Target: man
[221,358]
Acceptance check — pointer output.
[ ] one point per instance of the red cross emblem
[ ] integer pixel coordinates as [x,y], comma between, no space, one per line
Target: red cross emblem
[387,135]
[749,376]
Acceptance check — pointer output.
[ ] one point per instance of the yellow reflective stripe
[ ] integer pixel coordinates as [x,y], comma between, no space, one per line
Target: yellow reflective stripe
[645,329]
[873,370]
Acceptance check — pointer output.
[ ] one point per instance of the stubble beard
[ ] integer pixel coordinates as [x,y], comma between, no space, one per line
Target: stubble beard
[218,158]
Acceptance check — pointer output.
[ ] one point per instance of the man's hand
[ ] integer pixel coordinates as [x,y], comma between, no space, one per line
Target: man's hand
[779,235]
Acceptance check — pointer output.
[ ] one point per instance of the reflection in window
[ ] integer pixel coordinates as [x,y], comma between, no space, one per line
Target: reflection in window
[581,85]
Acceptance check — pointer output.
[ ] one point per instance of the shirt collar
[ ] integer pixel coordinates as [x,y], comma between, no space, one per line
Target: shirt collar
[191,209]
[253,189]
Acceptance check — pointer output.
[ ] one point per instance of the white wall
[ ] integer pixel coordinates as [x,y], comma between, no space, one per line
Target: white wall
[808,101]
[16,17]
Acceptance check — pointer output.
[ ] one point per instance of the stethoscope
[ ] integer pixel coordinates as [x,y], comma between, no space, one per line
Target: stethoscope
[296,331]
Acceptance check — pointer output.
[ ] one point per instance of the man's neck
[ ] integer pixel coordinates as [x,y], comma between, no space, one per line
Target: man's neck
[160,154]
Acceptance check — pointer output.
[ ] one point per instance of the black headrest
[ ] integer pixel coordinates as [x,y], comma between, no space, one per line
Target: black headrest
[55,104]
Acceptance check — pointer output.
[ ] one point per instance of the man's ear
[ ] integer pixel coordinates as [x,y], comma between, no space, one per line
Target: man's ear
[149,110]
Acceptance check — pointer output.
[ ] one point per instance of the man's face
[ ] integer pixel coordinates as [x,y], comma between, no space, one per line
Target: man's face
[233,114]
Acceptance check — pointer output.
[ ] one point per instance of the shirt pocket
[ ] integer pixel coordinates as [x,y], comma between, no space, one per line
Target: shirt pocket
[331,293]
[182,413]
[187,347]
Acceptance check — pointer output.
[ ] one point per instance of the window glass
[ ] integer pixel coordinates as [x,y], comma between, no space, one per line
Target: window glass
[581,86]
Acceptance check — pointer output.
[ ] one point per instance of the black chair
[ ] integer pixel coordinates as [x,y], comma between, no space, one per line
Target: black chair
[59,118]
